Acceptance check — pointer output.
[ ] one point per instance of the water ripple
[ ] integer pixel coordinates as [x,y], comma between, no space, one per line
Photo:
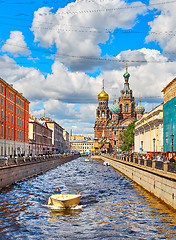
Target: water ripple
[113,207]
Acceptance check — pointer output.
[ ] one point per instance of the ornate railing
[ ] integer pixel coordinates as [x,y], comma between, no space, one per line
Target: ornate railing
[153,164]
[26,160]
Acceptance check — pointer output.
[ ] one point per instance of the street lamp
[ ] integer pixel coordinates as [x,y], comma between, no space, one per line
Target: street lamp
[154,139]
[172,138]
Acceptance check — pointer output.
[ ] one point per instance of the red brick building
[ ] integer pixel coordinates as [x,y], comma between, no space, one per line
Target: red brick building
[110,123]
[40,137]
[14,116]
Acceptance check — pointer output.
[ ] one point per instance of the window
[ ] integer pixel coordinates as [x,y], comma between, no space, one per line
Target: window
[22,103]
[9,117]
[11,96]
[142,143]
[2,114]
[12,134]
[2,89]
[8,131]
[120,107]
[17,110]
[12,118]
[10,106]
[2,101]
[132,108]
[17,100]
[21,113]
[126,108]
[2,130]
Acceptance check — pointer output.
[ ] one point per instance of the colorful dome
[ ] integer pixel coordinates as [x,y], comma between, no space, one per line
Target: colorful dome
[115,109]
[103,95]
[140,108]
[126,75]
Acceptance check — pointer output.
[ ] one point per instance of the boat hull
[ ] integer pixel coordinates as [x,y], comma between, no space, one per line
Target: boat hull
[64,201]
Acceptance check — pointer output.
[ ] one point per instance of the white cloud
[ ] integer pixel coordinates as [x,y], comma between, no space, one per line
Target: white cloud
[16,44]
[163,27]
[76,31]
[147,80]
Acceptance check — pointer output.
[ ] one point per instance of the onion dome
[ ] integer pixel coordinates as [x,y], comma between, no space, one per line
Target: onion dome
[126,75]
[140,108]
[115,109]
[103,95]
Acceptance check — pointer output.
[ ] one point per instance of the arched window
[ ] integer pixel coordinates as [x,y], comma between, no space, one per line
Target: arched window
[103,114]
[132,108]
[98,114]
[120,107]
[126,108]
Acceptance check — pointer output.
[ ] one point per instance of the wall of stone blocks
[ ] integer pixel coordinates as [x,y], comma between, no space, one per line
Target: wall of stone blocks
[162,187]
[14,173]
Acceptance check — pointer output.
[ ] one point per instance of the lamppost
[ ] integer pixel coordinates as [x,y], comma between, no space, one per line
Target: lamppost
[172,138]
[154,139]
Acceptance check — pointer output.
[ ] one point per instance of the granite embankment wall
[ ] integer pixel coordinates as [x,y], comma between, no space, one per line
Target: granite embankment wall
[13,170]
[159,182]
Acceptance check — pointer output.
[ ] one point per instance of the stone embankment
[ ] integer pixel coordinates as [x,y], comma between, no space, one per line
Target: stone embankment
[15,169]
[159,178]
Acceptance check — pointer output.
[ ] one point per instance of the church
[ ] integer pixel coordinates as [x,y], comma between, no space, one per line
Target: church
[111,122]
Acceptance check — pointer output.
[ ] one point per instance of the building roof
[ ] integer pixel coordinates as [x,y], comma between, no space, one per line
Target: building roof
[10,86]
[168,85]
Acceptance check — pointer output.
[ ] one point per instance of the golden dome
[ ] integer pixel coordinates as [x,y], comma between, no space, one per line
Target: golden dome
[103,95]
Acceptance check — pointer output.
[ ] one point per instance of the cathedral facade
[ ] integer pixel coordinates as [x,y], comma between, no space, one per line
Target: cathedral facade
[111,122]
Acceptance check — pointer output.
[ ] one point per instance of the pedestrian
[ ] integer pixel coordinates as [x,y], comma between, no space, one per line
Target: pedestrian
[172,159]
[58,191]
[150,156]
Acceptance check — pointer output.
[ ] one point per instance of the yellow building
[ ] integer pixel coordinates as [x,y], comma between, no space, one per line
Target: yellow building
[76,137]
[148,133]
[82,146]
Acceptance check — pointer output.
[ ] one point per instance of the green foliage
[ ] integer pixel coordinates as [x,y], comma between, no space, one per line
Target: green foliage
[128,137]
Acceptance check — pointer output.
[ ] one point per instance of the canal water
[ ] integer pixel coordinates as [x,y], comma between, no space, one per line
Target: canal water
[112,207]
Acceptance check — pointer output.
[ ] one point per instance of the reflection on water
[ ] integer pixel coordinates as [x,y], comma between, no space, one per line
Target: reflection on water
[70,212]
[113,207]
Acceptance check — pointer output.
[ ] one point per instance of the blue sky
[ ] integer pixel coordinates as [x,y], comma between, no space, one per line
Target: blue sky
[58,52]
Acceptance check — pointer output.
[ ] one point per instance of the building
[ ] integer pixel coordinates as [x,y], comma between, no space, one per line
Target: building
[169,116]
[148,133]
[80,137]
[110,123]
[14,116]
[82,146]
[76,137]
[66,141]
[40,137]
[58,141]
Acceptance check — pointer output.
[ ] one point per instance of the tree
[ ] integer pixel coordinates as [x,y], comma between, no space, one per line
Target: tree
[127,137]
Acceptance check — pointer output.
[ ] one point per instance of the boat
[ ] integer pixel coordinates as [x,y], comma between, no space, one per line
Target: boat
[106,164]
[64,200]
[86,159]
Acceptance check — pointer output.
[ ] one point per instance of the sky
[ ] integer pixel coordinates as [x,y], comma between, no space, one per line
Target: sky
[57,52]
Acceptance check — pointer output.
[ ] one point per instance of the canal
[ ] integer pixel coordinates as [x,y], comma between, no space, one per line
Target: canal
[112,207]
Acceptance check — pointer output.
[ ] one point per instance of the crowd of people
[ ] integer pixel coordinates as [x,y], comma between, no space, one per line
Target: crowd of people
[162,157]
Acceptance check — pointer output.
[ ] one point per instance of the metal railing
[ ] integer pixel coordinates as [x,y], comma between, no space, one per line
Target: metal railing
[26,160]
[153,164]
